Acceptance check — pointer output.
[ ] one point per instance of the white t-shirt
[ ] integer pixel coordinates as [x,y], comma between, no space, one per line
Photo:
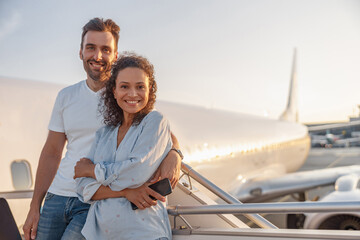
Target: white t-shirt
[76,114]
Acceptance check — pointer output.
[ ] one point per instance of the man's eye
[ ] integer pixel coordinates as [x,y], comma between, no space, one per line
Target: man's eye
[106,50]
[90,48]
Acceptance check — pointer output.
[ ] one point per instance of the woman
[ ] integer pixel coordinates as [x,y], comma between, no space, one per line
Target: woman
[126,152]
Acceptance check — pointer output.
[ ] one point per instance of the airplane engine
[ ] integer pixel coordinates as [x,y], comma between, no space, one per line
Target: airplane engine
[346,189]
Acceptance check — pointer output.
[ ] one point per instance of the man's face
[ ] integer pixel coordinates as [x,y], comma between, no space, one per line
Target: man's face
[98,54]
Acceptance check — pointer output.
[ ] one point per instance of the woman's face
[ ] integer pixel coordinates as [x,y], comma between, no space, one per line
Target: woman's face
[131,90]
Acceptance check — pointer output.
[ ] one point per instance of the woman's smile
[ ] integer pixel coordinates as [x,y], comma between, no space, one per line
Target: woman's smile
[131,90]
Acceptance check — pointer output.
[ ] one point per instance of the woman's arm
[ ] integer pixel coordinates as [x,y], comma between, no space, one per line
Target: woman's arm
[139,196]
[85,168]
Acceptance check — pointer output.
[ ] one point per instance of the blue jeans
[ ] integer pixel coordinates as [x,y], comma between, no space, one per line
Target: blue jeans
[62,218]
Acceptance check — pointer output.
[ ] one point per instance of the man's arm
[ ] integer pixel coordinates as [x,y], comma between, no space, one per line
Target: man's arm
[48,164]
[170,166]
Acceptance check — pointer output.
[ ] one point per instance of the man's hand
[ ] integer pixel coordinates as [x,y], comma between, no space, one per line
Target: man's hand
[31,224]
[84,168]
[169,168]
[140,196]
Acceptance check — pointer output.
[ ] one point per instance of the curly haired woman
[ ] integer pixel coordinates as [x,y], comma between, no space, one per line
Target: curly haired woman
[125,154]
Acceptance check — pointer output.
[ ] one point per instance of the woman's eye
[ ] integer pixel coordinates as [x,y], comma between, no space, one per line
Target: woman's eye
[123,86]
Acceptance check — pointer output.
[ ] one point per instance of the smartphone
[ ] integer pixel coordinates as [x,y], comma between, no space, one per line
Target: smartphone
[163,187]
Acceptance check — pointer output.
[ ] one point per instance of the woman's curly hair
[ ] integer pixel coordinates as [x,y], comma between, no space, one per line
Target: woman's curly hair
[111,111]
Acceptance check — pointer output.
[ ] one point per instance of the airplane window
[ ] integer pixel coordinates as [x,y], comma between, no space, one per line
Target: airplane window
[21,174]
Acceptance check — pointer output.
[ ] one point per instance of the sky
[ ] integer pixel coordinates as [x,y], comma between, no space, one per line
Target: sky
[227,54]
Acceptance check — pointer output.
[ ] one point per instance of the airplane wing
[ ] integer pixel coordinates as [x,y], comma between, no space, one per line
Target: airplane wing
[258,191]
[322,128]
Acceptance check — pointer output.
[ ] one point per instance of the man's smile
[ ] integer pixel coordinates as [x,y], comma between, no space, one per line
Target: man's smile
[96,65]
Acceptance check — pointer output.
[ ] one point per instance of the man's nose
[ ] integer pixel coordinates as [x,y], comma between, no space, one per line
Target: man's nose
[97,55]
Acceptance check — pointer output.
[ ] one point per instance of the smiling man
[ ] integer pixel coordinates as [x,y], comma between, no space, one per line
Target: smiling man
[98,52]
[75,119]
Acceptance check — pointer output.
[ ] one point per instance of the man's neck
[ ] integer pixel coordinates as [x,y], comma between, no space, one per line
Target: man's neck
[95,85]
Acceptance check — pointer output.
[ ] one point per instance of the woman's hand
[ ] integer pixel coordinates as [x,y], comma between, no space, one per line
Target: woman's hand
[84,168]
[140,196]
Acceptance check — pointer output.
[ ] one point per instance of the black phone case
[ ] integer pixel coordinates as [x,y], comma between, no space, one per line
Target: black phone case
[163,187]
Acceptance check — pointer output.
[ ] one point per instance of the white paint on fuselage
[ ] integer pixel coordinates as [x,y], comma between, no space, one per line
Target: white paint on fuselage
[24,115]
[230,148]
[25,108]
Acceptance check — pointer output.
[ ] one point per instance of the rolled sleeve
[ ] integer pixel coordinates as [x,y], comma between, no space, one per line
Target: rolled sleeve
[86,188]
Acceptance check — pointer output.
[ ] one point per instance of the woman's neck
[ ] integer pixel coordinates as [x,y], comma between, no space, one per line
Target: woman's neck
[128,119]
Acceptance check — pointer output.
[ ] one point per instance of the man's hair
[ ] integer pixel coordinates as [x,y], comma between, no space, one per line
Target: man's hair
[111,111]
[101,25]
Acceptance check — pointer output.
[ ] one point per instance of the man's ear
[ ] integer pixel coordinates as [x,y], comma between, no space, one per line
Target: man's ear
[80,54]
[116,55]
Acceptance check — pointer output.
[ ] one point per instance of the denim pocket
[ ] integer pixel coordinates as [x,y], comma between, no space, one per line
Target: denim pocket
[49,195]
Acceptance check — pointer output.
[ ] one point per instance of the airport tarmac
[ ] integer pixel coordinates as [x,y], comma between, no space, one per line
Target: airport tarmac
[320,158]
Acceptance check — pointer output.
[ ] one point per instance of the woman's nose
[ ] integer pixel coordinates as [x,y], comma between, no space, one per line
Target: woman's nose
[132,93]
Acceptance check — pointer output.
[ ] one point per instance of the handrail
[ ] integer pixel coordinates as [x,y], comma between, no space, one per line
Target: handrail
[18,194]
[256,218]
[288,207]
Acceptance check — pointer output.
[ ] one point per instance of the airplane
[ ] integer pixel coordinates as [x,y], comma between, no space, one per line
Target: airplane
[237,152]
[323,140]
[330,140]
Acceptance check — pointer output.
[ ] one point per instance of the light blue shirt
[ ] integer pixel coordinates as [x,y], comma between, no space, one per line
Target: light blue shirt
[129,165]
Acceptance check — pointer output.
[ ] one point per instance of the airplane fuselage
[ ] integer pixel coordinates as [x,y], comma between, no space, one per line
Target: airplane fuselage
[231,148]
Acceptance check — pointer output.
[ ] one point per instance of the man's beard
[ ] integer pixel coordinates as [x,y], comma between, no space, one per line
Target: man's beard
[98,76]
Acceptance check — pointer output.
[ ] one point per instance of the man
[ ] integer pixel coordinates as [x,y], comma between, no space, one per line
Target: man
[74,120]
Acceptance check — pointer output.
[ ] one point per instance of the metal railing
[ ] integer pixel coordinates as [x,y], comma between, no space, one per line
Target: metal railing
[280,208]
[256,218]
[17,194]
